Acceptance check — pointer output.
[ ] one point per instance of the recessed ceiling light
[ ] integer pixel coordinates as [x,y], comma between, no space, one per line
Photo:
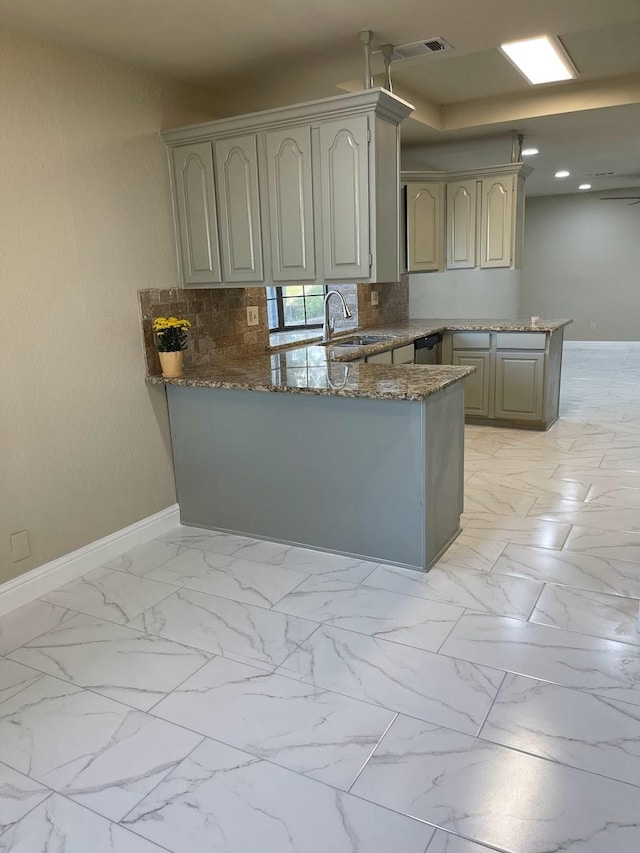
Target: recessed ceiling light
[529,152]
[584,187]
[562,173]
[540,60]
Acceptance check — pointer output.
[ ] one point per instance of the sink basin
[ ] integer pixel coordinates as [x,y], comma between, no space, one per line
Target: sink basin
[358,341]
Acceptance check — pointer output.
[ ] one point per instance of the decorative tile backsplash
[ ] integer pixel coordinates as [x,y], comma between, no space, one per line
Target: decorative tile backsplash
[219,318]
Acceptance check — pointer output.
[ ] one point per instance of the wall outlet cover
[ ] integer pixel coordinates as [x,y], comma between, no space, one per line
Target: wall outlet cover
[253,316]
[20,546]
[374,297]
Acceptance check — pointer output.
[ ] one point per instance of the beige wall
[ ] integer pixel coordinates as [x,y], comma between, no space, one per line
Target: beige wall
[469,294]
[85,221]
[582,260]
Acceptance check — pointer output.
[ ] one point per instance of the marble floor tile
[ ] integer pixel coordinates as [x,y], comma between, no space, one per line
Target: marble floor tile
[96,751]
[537,483]
[15,676]
[590,515]
[521,531]
[569,726]
[594,613]
[323,735]
[615,544]
[627,458]
[222,626]
[570,568]
[27,622]
[376,612]
[600,666]
[145,558]
[61,826]
[498,796]
[399,678]
[547,457]
[469,588]
[18,795]
[502,501]
[608,494]
[111,595]
[445,842]
[303,560]
[593,476]
[473,552]
[221,799]
[219,574]
[111,659]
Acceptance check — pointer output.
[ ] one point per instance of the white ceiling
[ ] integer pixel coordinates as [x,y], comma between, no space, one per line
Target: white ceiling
[260,53]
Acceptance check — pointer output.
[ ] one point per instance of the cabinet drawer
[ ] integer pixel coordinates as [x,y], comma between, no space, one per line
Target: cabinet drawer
[380,358]
[471,340]
[403,355]
[521,340]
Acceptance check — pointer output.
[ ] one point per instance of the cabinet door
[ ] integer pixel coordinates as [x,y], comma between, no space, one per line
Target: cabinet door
[239,203]
[477,386]
[425,226]
[291,204]
[344,172]
[497,222]
[380,358]
[461,225]
[403,355]
[519,385]
[195,212]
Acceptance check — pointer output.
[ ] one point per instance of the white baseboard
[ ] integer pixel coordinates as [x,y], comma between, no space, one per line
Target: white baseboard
[50,576]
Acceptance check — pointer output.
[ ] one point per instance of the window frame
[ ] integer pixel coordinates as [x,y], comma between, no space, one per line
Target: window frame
[279,300]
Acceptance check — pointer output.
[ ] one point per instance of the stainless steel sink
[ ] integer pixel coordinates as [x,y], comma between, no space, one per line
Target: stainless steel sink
[358,341]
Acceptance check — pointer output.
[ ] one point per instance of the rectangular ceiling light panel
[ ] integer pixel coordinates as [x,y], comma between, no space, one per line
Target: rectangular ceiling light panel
[540,60]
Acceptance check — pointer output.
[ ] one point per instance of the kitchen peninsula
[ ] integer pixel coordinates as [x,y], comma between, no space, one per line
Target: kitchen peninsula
[312,446]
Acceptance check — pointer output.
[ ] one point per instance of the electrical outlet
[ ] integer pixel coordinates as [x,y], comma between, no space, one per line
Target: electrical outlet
[20,547]
[374,297]
[592,327]
[253,318]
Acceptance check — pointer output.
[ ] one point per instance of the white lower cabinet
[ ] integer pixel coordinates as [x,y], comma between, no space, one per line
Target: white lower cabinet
[380,358]
[403,355]
[477,387]
[517,377]
[519,385]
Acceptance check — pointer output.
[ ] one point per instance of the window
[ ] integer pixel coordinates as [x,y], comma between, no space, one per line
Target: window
[298,306]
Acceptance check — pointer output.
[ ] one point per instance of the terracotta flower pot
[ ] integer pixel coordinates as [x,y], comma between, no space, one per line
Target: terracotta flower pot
[171,364]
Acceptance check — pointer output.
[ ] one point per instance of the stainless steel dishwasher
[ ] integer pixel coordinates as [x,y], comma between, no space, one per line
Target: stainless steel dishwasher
[428,350]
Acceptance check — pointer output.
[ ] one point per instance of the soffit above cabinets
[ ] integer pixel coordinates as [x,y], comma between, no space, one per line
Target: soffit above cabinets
[295,51]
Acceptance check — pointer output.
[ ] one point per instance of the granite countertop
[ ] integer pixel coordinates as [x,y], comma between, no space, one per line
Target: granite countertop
[314,369]
[311,370]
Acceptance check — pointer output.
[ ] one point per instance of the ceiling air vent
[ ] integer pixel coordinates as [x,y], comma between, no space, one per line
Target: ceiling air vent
[420,48]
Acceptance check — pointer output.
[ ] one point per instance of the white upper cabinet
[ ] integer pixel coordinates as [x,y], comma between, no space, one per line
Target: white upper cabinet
[344,174]
[484,217]
[195,213]
[461,224]
[425,226]
[497,245]
[309,192]
[236,162]
[290,193]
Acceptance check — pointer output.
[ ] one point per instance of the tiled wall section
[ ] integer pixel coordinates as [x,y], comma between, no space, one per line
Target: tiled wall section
[393,304]
[219,323]
[219,319]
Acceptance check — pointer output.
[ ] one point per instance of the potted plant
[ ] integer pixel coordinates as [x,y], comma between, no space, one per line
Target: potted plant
[171,340]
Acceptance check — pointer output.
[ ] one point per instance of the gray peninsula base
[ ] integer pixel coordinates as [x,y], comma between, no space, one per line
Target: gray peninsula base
[380,480]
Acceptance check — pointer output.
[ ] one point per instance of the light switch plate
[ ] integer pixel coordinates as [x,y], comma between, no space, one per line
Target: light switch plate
[374,297]
[20,547]
[253,317]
